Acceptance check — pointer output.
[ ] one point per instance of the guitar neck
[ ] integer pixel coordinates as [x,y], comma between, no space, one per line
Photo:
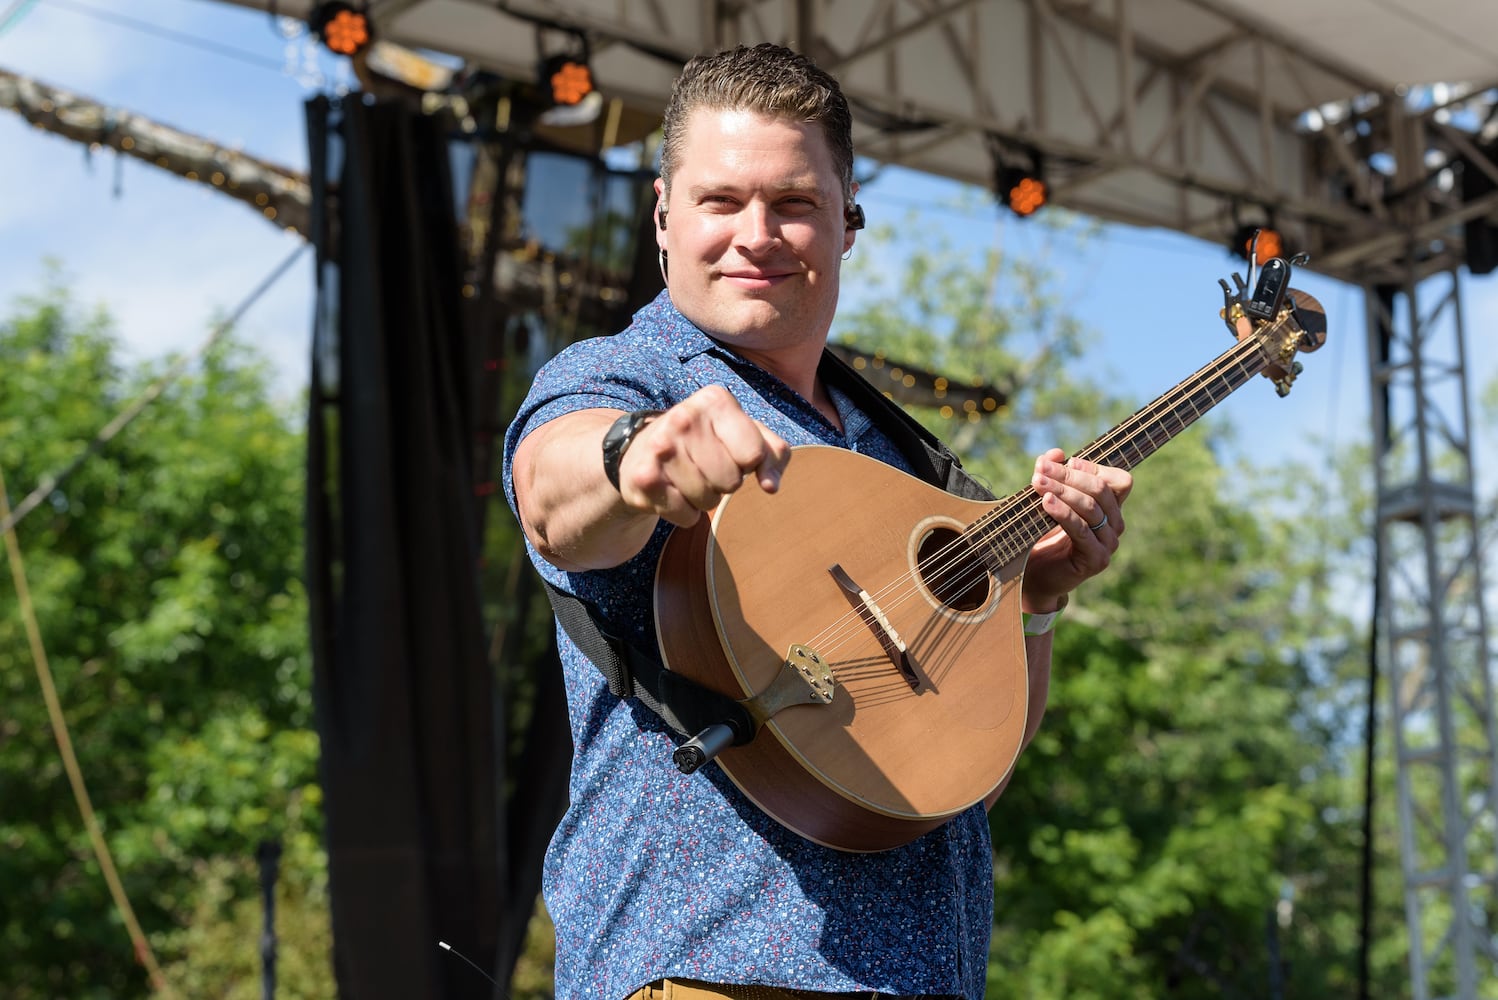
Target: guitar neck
[1019,522]
[1144,433]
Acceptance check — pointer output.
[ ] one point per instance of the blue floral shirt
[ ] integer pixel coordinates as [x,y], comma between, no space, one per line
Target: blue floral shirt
[652,873]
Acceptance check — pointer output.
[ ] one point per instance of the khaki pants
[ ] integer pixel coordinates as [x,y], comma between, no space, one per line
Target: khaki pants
[690,989]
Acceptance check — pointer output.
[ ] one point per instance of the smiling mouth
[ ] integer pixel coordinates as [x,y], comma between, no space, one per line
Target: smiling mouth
[756,279]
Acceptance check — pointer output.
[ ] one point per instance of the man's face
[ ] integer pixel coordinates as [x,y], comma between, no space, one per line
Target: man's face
[755,230]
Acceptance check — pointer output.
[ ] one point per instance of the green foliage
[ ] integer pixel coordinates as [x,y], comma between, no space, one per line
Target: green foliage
[977,314]
[1488,401]
[165,573]
[218,944]
[534,970]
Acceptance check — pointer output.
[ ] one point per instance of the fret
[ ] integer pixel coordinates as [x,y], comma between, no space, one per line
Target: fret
[1011,529]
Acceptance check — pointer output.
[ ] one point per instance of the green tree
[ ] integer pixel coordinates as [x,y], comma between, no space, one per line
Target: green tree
[977,315]
[165,573]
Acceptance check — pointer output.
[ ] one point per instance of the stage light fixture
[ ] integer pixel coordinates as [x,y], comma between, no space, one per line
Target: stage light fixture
[342,27]
[569,79]
[1028,195]
[1019,181]
[1024,191]
[1271,242]
[1261,239]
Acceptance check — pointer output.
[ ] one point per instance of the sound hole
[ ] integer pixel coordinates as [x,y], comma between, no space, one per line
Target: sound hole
[955,574]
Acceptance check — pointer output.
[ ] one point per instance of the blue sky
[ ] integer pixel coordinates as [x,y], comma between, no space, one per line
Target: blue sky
[166,256]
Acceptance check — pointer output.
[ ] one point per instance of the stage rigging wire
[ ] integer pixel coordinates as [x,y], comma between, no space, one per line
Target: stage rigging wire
[182,38]
[13,14]
[138,940]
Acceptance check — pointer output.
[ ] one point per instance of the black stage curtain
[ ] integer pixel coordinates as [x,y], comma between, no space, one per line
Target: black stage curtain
[405,698]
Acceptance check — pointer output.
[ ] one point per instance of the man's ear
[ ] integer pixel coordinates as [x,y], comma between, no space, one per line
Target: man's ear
[853,218]
[660,213]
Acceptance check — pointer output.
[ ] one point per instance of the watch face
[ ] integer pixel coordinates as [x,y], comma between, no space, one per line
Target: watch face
[617,432]
[617,440]
[620,431]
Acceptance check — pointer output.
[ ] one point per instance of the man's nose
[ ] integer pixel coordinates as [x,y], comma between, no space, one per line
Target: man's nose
[759,230]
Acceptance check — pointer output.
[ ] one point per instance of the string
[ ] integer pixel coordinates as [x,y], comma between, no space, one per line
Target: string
[1017,522]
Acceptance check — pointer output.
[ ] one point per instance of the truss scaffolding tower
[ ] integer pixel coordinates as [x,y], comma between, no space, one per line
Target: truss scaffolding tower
[1432,632]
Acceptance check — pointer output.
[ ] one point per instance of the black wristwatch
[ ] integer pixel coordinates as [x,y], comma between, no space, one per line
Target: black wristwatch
[617,440]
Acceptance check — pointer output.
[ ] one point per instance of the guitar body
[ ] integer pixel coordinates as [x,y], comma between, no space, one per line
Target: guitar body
[912,596]
[896,752]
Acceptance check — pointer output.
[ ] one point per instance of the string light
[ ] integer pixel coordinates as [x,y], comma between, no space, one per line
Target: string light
[913,386]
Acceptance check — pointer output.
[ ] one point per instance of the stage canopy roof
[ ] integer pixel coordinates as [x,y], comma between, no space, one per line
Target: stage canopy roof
[1334,120]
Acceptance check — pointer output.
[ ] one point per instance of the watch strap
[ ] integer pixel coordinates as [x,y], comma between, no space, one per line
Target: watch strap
[617,440]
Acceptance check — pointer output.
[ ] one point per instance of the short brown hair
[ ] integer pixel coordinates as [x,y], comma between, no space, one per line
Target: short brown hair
[769,79]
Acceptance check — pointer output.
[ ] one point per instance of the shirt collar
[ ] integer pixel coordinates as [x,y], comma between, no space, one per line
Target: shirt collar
[662,319]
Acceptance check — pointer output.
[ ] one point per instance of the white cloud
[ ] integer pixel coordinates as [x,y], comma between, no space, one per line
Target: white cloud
[164,255]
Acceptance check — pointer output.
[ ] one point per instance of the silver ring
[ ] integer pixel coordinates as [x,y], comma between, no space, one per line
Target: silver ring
[1100,525]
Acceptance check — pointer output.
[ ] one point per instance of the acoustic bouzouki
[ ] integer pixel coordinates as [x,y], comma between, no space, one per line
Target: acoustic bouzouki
[870,622]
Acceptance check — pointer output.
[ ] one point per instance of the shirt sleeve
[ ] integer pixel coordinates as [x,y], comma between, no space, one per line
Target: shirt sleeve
[601,373]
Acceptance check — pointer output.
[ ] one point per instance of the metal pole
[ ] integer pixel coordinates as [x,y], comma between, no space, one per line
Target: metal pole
[269,856]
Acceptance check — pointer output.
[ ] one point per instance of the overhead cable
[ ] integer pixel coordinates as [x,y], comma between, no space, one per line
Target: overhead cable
[138,940]
[180,37]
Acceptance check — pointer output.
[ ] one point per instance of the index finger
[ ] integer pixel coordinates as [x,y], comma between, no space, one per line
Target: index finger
[1118,481]
[777,456]
[752,446]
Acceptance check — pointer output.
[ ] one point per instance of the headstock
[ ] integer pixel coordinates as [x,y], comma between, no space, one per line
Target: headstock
[1283,320]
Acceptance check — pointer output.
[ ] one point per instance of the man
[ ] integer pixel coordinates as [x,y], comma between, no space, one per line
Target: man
[662,884]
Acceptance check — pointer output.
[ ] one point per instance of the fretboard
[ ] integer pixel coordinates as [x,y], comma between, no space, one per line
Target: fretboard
[1019,521]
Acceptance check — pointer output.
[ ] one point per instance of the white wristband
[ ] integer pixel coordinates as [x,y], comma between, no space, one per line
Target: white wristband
[1041,624]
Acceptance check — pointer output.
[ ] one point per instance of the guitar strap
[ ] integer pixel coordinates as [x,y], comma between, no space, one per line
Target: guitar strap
[684,705]
[930,459]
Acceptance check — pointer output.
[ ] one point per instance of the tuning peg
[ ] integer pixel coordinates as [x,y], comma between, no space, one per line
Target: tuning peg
[1282,384]
[1232,304]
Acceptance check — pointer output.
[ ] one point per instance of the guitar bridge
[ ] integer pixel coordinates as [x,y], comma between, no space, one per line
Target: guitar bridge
[878,622]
